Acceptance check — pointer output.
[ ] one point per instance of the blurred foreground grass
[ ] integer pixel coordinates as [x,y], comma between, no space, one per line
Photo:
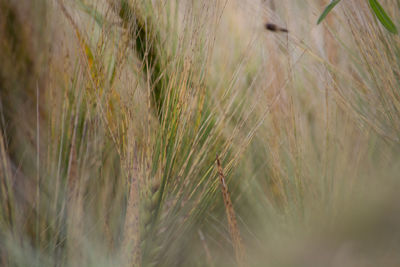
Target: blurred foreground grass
[112,114]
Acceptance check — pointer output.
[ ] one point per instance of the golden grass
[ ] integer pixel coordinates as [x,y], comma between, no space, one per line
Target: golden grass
[111,113]
[230,214]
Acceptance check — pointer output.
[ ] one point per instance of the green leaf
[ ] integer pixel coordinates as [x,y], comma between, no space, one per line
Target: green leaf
[328,9]
[382,16]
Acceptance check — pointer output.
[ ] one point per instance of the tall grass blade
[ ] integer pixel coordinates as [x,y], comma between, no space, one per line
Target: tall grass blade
[382,16]
[328,9]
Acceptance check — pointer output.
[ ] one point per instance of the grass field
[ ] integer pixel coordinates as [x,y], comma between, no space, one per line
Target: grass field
[185,133]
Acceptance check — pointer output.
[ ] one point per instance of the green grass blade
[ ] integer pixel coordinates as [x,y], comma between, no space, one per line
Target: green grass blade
[382,16]
[91,11]
[328,9]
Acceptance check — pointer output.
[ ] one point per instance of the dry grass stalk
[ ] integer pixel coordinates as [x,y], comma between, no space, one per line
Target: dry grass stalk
[131,240]
[5,185]
[230,213]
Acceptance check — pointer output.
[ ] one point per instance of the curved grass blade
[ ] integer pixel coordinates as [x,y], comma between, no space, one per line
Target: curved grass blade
[382,16]
[328,9]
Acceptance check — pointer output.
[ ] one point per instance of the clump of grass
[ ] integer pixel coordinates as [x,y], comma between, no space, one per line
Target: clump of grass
[112,113]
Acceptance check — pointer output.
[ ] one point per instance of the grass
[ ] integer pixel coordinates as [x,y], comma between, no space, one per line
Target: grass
[112,113]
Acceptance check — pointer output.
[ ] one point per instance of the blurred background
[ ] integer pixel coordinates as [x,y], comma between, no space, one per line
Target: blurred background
[113,115]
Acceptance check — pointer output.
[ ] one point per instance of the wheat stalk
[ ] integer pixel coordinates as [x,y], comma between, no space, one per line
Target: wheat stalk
[230,214]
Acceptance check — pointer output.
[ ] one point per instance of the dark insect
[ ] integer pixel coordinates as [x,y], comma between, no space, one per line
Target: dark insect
[274,28]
